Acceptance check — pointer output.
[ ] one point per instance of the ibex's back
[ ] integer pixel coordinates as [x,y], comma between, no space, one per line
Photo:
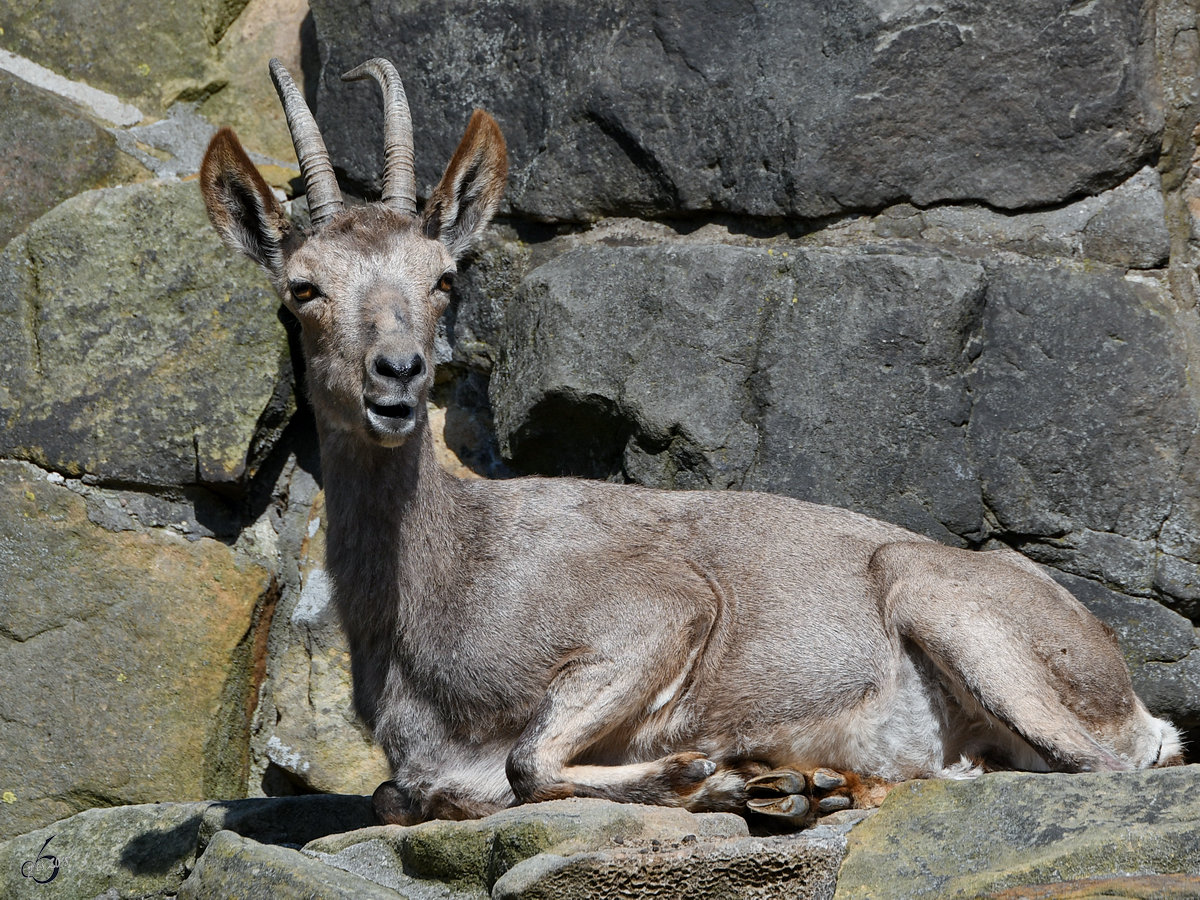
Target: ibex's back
[539,638]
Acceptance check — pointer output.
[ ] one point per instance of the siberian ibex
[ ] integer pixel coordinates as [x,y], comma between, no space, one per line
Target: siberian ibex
[520,640]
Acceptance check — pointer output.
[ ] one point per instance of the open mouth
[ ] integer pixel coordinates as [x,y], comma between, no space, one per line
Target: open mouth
[394,412]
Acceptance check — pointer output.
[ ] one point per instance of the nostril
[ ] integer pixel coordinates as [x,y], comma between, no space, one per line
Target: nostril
[400,368]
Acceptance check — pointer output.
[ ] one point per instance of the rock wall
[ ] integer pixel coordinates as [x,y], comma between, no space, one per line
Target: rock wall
[931,261]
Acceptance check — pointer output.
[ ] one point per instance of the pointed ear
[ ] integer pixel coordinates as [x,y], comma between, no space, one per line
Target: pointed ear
[467,196]
[240,204]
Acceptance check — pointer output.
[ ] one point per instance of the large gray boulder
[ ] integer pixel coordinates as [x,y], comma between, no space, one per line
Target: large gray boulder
[135,348]
[760,109]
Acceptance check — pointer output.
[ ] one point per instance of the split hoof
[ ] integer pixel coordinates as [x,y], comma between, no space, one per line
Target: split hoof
[791,808]
[789,798]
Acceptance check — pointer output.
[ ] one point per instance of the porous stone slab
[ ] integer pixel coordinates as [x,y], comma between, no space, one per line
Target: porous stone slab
[761,109]
[124,657]
[797,867]
[1001,831]
[135,348]
[466,859]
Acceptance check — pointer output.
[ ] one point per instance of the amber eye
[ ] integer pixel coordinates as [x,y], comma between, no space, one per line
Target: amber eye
[303,291]
[446,282]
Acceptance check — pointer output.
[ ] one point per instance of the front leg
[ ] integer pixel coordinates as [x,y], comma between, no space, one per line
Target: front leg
[435,774]
[595,702]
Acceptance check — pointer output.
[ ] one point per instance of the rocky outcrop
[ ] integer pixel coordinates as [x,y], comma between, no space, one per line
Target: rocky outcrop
[91,717]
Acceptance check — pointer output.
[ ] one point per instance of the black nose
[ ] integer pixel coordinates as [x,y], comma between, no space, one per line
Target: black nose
[401,368]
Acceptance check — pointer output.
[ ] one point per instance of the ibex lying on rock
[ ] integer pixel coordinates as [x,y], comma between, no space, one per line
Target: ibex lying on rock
[521,640]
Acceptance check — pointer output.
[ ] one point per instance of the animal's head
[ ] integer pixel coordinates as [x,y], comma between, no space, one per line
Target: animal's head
[369,283]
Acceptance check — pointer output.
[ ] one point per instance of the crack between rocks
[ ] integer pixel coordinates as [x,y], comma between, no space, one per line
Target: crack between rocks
[35,310]
[754,406]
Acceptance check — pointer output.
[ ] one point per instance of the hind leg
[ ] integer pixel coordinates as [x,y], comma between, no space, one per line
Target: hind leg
[1011,641]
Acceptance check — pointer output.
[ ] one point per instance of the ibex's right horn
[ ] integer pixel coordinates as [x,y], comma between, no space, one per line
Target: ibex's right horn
[320,184]
[399,175]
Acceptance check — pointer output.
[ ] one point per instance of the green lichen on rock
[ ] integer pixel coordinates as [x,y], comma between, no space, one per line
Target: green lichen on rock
[976,838]
[148,52]
[51,152]
[134,347]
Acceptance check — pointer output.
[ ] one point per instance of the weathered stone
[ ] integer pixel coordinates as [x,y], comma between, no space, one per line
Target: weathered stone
[760,108]
[134,347]
[127,852]
[51,152]
[238,866]
[469,857]
[859,391]
[798,867]
[248,103]
[1125,226]
[976,838]
[1129,887]
[486,281]
[125,659]
[166,57]
[805,371]
[1083,381]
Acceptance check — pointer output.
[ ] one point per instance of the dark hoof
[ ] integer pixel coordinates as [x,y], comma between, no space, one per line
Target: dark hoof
[393,806]
[792,808]
[833,803]
[791,800]
[827,780]
[775,784]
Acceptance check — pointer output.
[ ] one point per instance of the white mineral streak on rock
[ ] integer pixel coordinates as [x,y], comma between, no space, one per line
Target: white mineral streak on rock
[100,103]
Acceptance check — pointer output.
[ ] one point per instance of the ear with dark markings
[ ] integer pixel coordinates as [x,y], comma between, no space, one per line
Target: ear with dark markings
[467,196]
[240,204]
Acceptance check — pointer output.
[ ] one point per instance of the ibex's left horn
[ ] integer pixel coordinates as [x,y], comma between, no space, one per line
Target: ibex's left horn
[320,184]
[399,174]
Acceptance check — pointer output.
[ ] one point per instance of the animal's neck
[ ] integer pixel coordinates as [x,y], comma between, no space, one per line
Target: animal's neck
[392,529]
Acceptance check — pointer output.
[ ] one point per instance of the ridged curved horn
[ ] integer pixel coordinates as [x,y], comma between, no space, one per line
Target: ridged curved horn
[320,184]
[399,173]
